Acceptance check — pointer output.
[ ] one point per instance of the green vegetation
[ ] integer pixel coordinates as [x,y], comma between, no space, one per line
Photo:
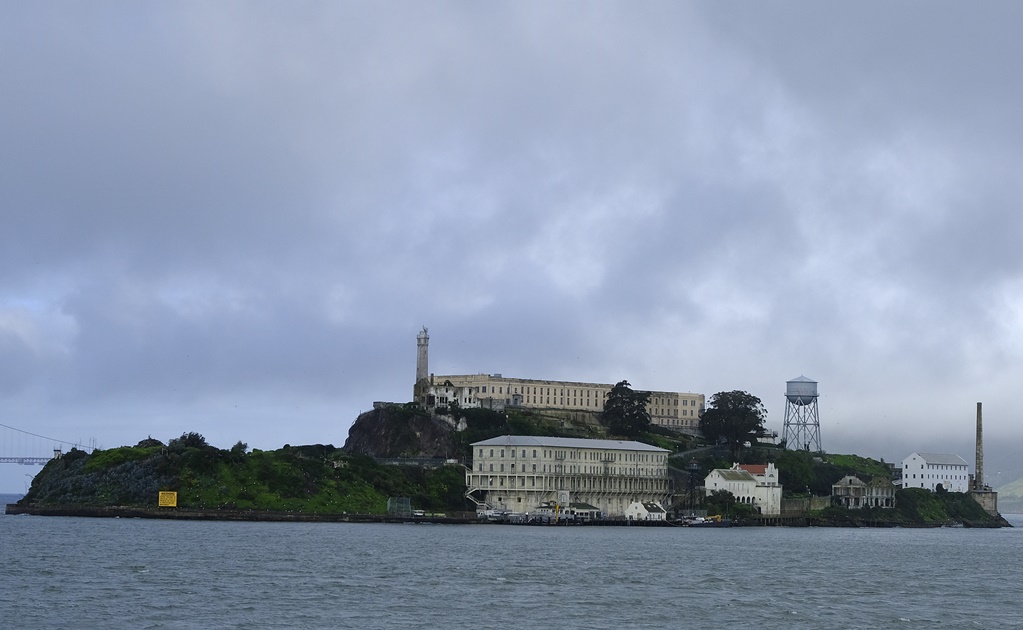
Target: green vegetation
[316,479]
[625,411]
[734,418]
[723,503]
[914,507]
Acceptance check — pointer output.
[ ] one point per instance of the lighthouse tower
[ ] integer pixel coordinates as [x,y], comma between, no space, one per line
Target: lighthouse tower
[422,366]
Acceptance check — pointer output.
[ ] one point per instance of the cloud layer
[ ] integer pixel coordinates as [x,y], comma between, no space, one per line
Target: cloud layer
[233,219]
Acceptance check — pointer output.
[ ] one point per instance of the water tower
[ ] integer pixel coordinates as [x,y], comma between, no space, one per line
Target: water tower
[802,424]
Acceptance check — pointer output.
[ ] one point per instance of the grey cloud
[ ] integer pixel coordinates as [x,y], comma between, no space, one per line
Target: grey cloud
[210,205]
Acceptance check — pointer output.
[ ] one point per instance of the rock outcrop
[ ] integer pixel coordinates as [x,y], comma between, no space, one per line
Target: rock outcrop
[401,431]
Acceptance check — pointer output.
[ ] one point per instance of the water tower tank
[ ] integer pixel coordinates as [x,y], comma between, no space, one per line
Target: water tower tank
[801,391]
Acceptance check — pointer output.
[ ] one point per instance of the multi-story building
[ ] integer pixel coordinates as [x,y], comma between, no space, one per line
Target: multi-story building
[519,473]
[672,410]
[854,493]
[927,470]
[755,485]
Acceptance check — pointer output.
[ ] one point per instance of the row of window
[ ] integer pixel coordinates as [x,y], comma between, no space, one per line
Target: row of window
[577,470]
[941,467]
[594,484]
[949,477]
[674,412]
[585,455]
[539,391]
[576,395]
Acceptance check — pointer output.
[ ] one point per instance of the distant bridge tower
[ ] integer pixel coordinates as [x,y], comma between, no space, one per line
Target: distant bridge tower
[802,423]
[422,366]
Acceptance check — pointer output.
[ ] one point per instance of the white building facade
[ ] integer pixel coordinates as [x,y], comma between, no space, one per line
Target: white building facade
[927,470]
[520,473]
[649,511]
[755,485]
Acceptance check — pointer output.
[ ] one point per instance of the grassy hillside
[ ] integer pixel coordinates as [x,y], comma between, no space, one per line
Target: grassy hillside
[318,479]
[1010,497]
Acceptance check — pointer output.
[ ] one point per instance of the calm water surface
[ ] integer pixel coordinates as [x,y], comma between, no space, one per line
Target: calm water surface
[130,573]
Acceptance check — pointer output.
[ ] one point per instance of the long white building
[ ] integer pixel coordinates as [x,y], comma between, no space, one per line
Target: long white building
[672,410]
[927,470]
[518,473]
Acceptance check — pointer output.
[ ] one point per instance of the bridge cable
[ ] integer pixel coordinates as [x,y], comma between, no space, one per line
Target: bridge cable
[43,437]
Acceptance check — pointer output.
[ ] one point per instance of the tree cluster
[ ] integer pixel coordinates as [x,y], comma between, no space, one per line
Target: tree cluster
[734,418]
[625,411]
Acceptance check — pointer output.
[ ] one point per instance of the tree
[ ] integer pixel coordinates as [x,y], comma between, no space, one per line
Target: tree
[736,417]
[625,411]
[724,503]
[188,440]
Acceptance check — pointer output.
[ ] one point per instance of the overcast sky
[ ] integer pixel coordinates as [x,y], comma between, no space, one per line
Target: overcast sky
[234,217]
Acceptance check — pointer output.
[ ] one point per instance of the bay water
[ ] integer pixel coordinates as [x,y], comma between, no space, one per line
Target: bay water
[137,573]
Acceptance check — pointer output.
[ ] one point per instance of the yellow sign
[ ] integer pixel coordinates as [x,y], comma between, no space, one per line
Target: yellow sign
[168,499]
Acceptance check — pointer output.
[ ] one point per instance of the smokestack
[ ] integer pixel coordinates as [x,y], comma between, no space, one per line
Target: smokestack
[978,479]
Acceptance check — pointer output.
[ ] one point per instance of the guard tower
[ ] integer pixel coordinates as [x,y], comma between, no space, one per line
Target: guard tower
[802,423]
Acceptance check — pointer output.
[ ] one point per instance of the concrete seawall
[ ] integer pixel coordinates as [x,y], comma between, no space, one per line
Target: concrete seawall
[227,515]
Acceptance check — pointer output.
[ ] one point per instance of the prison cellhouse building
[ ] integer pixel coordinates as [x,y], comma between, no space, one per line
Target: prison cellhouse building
[679,411]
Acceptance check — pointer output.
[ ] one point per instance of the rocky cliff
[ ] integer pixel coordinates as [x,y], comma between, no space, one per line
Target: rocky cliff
[401,431]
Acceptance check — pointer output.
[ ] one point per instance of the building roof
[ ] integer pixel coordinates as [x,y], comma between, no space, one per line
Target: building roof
[754,469]
[560,442]
[945,459]
[729,474]
[849,480]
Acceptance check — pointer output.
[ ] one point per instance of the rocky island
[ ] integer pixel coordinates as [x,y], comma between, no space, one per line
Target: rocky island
[401,451]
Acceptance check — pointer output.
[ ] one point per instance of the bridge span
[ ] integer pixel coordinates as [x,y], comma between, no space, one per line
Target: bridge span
[28,461]
[18,446]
